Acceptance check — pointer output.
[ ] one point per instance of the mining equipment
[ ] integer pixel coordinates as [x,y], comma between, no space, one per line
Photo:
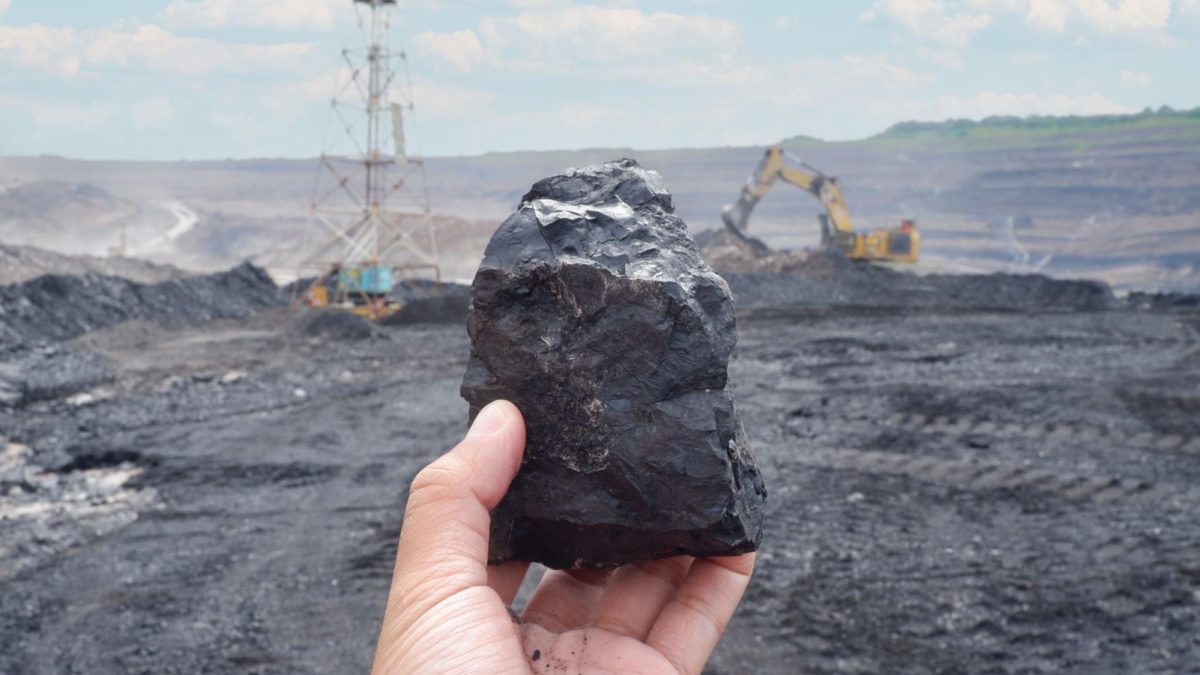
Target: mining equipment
[900,244]
[360,242]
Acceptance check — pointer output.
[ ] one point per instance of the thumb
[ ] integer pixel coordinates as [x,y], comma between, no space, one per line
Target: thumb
[444,541]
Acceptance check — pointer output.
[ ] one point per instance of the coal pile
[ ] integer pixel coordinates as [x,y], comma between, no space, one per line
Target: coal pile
[1170,301]
[411,290]
[335,324]
[428,301]
[830,279]
[56,307]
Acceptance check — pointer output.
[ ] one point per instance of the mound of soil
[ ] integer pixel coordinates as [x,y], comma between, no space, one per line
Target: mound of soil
[60,307]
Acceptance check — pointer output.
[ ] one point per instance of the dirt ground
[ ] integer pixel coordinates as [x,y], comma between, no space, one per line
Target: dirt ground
[949,491]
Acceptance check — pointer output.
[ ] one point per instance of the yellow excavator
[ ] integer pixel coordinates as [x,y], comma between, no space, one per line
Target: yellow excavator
[900,244]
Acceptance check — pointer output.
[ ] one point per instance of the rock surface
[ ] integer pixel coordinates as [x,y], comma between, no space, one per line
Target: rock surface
[593,312]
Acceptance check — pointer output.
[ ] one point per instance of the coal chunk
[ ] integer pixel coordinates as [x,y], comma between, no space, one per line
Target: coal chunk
[594,313]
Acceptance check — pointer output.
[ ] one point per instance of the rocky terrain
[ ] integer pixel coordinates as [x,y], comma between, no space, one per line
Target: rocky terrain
[957,487]
[1118,203]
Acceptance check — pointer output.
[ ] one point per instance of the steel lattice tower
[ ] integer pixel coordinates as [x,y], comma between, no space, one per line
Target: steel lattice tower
[370,204]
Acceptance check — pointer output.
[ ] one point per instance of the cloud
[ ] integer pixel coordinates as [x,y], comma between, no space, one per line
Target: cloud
[149,48]
[444,101]
[925,18]
[877,70]
[560,37]
[1030,57]
[55,116]
[461,50]
[273,14]
[317,88]
[931,20]
[1190,8]
[987,103]
[3,7]
[1135,78]
[1050,15]
[66,123]
[431,98]
[152,112]
[946,58]
[1123,17]
[41,47]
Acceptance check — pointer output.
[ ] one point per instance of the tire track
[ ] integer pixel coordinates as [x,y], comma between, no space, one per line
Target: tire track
[977,475]
[1056,431]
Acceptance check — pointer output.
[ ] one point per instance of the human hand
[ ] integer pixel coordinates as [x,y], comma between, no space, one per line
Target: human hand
[447,611]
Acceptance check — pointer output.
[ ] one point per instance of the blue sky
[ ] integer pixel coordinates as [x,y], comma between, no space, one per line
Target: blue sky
[197,79]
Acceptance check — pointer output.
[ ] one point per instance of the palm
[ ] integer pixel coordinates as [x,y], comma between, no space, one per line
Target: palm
[595,650]
[655,617]
[448,611]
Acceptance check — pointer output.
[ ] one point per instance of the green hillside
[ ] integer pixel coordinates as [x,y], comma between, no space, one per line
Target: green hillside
[991,127]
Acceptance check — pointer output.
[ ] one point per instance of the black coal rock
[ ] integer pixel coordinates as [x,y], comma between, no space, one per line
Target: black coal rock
[593,312]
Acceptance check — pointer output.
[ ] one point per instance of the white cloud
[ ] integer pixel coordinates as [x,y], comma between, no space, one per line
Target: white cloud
[152,112]
[1190,8]
[1048,14]
[432,98]
[1121,17]
[275,14]
[53,117]
[877,70]
[53,121]
[931,20]
[66,51]
[560,37]
[3,7]
[461,50]
[322,87]
[1028,57]
[441,100]
[1135,78]
[946,58]
[41,47]
[987,103]
[591,117]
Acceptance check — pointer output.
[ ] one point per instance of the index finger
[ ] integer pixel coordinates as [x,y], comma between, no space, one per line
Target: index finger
[692,622]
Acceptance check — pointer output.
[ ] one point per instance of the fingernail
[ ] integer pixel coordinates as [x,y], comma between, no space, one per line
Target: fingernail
[488,421]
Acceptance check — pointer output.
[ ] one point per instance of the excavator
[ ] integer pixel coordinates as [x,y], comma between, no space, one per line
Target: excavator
[900,244]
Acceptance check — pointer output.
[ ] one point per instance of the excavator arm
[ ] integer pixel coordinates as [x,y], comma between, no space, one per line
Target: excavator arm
[902,244]
[836,223]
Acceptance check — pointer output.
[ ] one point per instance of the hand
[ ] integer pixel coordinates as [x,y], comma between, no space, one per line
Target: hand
[448,611]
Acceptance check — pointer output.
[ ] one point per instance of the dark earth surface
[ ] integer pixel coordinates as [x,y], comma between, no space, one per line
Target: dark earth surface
[949,491]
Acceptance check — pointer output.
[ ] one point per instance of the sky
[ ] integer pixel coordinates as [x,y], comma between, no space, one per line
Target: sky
[211,79]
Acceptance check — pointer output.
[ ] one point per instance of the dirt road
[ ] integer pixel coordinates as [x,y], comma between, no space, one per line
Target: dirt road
[949,492]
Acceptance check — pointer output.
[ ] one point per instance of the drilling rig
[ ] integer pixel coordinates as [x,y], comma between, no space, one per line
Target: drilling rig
[370,223]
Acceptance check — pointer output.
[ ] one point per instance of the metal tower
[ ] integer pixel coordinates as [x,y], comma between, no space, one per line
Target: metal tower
[370,220]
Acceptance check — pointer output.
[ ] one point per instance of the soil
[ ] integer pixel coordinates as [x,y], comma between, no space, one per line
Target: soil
[952,488]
